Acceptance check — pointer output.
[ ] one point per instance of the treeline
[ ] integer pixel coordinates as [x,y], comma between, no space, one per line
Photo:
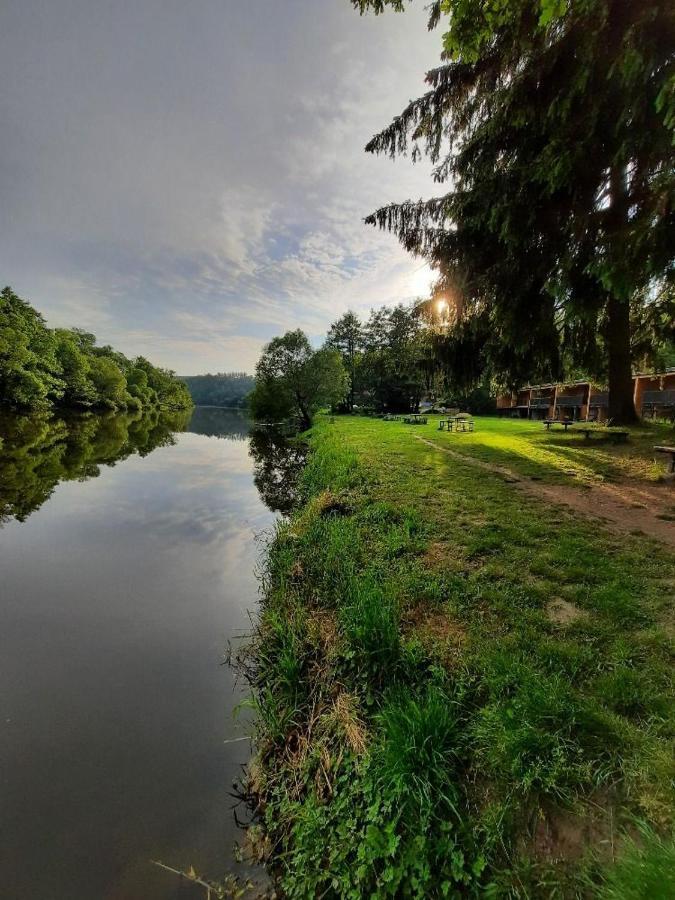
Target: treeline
[228,389]
[403,354]
[400,355]
[42,367]
[389,362]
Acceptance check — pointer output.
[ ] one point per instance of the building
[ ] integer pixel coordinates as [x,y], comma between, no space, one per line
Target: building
[654,396]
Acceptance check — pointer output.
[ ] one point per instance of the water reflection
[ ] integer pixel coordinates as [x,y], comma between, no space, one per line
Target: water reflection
[118,598]
[221,423]
[38,452]
[278,462]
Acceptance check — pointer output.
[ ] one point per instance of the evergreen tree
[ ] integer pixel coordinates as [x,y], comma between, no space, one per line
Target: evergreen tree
[553,121]
[346,336]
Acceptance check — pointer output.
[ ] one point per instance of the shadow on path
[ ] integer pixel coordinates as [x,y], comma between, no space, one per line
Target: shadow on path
[622,507]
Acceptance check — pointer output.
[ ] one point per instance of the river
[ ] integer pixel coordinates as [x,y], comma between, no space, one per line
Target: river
[127,563]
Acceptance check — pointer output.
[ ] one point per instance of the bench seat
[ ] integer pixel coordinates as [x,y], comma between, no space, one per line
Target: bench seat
[670,451]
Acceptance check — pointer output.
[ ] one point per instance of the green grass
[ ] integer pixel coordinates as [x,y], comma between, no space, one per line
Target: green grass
[646,870]
[527,447]
[424,719]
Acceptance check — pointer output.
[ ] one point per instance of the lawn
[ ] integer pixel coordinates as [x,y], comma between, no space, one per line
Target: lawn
[555,455]
[461,691]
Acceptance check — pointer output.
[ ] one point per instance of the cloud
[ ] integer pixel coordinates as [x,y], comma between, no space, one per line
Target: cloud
[190,179]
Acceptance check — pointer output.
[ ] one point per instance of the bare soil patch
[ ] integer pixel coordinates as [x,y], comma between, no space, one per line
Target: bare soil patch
[442,556]
[562,612]
[436,630]
[565,835]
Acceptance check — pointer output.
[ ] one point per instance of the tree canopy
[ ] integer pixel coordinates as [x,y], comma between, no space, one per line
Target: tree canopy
[293,380]
[346,336]
[42,368]
[402,353]
[552,122]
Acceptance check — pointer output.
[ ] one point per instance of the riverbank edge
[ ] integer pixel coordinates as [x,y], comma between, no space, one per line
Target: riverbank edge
[373,698]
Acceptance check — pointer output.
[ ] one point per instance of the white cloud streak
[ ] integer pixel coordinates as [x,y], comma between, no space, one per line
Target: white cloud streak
[189,180]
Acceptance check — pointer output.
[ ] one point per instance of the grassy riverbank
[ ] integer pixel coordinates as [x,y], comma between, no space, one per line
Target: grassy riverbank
[463,689]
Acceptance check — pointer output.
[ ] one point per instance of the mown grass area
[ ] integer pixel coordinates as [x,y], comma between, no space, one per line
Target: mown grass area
[460,692]
[556,455]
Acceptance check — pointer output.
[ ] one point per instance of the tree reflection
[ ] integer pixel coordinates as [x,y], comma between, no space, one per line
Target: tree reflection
[39,451]
[278,462]
[213,421]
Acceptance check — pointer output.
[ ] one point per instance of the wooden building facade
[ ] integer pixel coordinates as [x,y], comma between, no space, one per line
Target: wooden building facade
[654,396]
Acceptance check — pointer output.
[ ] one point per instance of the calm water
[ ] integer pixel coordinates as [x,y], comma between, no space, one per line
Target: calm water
[127,557]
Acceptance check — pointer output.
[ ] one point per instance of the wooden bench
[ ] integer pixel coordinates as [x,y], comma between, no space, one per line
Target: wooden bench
[446,423]
[415,420]
[617,437]
[564,422]
[659,401]
[669,451]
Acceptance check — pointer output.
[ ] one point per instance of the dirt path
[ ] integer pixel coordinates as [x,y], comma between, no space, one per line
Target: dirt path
[622,507]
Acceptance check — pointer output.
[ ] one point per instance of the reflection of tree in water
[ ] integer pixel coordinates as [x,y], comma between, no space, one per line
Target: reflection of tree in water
[214,421]
[39,451]
[278,464]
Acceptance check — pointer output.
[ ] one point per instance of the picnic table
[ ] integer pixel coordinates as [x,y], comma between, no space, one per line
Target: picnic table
[670,451]
[564,422]
[460,423]
[463,424]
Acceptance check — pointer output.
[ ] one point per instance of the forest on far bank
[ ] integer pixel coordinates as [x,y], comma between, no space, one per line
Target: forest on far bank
[228,389]
[42,368]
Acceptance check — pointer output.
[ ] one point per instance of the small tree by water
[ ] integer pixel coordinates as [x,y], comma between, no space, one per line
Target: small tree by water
[294,381]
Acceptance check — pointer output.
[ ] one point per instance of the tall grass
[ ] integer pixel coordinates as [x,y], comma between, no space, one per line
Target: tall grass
[418,759]
[369,622]
[646,871]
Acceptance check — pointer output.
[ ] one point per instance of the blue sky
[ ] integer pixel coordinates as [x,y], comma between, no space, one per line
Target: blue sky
[188,179]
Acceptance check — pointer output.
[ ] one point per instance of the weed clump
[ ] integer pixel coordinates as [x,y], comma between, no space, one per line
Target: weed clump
[369,622]
[418,759]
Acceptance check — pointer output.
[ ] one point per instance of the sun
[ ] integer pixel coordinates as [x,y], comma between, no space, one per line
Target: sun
[420,281]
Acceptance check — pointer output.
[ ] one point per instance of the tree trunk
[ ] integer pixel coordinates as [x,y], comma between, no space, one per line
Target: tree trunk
[305,417]
[621,405]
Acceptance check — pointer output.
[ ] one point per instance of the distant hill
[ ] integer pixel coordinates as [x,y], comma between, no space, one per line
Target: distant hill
[222,389]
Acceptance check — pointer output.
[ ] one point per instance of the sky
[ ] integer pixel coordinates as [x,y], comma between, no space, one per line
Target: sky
[188,180]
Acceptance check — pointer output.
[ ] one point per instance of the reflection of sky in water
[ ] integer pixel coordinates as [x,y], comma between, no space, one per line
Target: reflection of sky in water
[117,600]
